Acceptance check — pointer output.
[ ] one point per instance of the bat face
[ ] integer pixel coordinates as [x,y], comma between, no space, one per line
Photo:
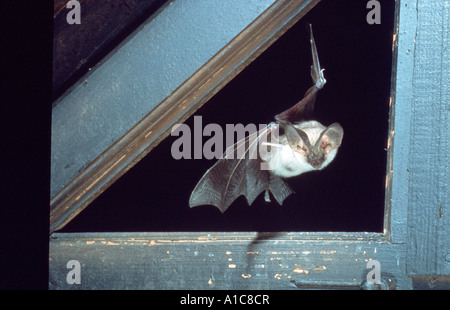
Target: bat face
[306,146]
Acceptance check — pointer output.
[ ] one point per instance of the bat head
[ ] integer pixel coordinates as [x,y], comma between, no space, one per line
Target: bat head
[315,143]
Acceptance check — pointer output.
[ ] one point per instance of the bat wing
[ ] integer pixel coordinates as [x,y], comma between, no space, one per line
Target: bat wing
[232,177]
[238,173]
[305,106]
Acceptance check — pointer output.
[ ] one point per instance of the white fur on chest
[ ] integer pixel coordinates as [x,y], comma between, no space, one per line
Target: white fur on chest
[285,162]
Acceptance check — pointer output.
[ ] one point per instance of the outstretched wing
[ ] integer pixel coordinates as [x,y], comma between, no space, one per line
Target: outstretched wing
[233,176]
[239,172]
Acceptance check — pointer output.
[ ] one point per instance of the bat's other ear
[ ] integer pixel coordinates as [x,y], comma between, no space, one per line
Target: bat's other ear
[331,137]
[297,138]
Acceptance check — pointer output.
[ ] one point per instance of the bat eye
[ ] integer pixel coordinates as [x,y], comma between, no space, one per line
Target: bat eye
[324,144]
[301,148]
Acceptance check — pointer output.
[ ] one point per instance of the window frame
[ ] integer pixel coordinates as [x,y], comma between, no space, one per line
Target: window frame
[407,257]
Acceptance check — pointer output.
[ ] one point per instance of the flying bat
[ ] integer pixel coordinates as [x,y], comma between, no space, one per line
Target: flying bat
[285,148]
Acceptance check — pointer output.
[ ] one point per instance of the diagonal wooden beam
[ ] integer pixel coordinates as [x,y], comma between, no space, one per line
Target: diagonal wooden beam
[124,153]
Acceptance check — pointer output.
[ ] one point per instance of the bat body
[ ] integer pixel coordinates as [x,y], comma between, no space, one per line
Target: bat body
[267,156]
[286,162]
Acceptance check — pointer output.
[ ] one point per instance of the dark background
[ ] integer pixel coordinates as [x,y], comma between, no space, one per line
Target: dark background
[346,196]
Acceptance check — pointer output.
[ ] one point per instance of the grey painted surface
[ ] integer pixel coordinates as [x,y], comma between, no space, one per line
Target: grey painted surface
[402,120]
[137,76]
[420,192]
[420,236]
[224,261]
[428,161]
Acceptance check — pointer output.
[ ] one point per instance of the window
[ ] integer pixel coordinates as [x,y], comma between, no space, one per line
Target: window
[244,248]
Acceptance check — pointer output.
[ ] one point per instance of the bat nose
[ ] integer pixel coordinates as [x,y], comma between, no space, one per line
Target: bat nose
[316,163]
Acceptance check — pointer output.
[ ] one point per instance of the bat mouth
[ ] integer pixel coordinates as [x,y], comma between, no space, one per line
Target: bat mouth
[317,163]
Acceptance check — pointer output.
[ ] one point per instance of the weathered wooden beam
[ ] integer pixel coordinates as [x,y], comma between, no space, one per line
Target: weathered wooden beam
[88,121]
[428,161]
[223,260]
[78,47]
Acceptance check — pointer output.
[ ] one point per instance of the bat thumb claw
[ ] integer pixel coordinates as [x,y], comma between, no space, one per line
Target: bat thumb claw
[267,196]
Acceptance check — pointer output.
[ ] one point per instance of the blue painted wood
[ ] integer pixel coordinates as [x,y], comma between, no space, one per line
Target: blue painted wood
[160,56]
[428,161]
[418,230]
[400,120]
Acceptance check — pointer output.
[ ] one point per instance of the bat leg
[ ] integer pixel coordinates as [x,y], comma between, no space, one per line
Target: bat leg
[316,71]
[305,107]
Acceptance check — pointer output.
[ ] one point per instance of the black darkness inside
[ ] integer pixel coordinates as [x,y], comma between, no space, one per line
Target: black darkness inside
[348,195]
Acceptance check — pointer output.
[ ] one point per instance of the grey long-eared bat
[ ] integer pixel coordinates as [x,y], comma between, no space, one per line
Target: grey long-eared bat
[269,156]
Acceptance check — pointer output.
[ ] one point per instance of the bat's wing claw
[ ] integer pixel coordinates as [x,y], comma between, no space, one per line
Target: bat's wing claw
[320,82]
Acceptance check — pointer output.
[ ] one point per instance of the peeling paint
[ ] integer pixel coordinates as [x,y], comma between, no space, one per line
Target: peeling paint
[275,258]
[319,268]
[328,252]
[232,266]
[109,243]
[300,270]
[246,276]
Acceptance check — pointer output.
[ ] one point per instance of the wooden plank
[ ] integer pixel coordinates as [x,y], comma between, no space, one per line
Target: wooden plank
[397,177]
[103,170]
[77,48]
[428,215]
[223,260]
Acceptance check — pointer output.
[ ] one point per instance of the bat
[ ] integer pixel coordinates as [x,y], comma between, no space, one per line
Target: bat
[268,156]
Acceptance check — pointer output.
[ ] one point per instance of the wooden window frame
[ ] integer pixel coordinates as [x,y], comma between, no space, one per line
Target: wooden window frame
[289,260]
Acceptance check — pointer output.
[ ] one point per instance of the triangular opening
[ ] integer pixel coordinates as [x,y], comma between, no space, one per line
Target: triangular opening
[346,196]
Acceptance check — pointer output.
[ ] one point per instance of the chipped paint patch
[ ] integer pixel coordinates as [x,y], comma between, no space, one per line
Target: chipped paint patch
[232,266]
[278,276]
[109,243]
[246,276]
[328,252]
[211,281]
[319,268]
[300,270]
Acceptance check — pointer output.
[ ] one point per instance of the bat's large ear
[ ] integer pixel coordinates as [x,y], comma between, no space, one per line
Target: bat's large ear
[330,138]
[297,138]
